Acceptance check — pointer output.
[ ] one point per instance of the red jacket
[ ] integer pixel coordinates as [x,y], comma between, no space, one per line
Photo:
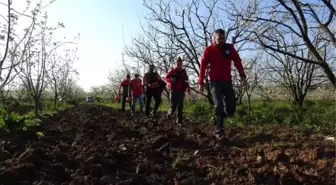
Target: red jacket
[220,67]
[124,83]
[181,80]
[136,87]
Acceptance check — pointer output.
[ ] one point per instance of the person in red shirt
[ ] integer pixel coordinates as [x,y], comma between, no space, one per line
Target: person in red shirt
[219,56]
[124,85]
[177,80]
[135,93]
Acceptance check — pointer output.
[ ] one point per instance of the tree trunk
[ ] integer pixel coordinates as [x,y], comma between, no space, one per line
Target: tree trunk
[37,106]
[249,102]
[329,73]
[55,100]
[239,100]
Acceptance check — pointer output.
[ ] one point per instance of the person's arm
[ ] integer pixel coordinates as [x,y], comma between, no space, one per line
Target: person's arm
[144,80]
[130,88]
[142,86]
[167,78]
[238,63]
[203,66]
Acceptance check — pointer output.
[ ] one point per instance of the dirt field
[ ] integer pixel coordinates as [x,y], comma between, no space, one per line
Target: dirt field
[95,145]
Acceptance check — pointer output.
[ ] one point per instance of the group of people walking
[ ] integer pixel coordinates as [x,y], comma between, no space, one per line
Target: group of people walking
[152,86]
[217,58]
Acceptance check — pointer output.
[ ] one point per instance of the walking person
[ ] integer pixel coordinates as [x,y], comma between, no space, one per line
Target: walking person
[219,56]
[152,85]
[124,86]
[178,83]
[135,93]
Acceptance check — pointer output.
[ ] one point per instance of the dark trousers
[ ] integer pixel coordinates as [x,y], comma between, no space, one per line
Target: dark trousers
[152,93]
[176,101]
[123,102]
[225,102]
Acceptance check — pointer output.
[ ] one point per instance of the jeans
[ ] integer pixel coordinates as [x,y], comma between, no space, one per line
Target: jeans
[176,101]
[225,102]
[134,100]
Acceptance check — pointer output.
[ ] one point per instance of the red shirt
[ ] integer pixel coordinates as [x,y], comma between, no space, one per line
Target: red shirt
[181,80]
[124,83]
[136,87]
[220,67]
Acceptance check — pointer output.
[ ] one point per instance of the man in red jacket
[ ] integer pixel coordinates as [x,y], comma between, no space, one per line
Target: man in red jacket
[219,56]
[177,80]
[124,86]
[135,93]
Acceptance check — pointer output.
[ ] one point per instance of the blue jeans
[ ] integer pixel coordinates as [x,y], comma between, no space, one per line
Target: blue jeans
[225,102]
[134,100]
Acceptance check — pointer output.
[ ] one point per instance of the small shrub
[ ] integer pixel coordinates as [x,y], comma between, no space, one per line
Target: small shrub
[72,101]
[14,122]
[200,112]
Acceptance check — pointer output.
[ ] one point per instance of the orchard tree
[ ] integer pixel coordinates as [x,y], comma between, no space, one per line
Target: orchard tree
[14,44]
[184,29]
[61,71]
[303,22]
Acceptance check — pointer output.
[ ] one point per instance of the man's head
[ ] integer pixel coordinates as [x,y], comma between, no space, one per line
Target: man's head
[219,37]
[178,63]
[128,76]
[151,68]
[136,75]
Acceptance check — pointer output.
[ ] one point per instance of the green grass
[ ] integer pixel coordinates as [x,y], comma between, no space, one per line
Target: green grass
[312,117]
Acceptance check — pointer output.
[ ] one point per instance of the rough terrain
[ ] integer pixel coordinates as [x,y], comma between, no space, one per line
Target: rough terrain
[91,144]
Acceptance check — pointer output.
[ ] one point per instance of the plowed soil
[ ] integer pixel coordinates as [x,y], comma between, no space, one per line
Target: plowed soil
[91,144]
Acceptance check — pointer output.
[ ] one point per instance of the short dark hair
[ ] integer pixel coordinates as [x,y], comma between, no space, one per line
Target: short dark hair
[128,76]
[219,31]
[179,59]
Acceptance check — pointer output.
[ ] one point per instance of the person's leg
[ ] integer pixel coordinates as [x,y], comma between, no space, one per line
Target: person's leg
[173,103]
[134,99]
[230,100]
[141,102]
[157,98]
[123,102]
[217,95]
[148,102]
[181,95]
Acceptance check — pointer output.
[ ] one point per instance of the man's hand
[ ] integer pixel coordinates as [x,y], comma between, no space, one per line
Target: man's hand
[188,91]
[173,80]
[243,82]
[201,89]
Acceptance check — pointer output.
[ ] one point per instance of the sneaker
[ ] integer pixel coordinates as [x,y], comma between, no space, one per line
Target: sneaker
[168,116]
[219,136]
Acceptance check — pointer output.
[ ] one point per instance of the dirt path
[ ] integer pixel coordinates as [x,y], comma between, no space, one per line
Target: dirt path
[95,145]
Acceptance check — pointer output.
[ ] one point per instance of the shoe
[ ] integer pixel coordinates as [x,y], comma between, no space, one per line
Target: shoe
[219,136]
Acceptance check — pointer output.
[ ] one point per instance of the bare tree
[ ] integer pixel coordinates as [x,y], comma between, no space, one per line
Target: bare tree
[254,76]
[15,46]
[147,49]
[35,69]
[188,28]
[297,77]
[306,20]
[61,72]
